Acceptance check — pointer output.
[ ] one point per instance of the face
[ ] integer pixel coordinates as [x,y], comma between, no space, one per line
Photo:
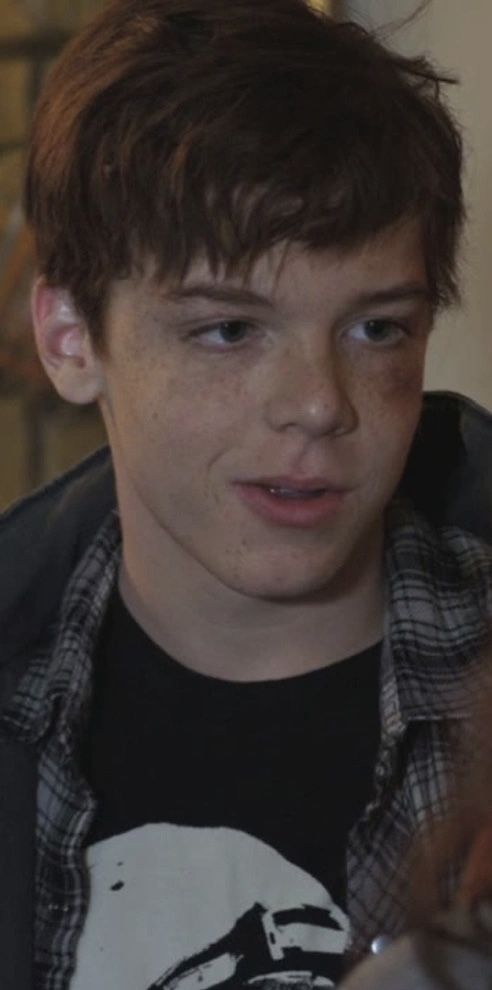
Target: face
[259,428]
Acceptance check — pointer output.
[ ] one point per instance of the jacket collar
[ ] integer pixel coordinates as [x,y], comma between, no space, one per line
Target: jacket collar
[439,607]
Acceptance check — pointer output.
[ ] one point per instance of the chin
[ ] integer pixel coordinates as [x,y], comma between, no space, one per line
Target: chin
[287,583]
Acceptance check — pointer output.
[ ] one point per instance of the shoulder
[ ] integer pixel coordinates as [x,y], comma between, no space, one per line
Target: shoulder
[449,471]
[42,538]
[83,488]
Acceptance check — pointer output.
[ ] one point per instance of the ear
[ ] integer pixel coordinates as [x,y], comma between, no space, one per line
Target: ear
[64,345]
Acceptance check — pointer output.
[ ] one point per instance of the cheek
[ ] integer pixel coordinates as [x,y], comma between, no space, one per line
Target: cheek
[396,387]
[390,410]
[192,420]
[404,380]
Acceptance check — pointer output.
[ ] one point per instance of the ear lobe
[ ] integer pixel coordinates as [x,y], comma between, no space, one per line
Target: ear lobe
[64,345]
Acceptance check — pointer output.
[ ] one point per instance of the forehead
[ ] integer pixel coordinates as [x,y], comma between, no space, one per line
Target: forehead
[391,258]
[383,257]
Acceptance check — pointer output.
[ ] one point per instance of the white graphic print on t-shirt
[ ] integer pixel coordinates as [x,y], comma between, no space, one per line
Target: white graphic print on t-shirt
[183,908]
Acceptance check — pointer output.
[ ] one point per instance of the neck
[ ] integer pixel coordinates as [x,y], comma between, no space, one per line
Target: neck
[222,633]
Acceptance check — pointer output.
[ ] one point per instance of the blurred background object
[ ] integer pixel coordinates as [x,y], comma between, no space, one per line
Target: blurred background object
[40,435]
[456,36]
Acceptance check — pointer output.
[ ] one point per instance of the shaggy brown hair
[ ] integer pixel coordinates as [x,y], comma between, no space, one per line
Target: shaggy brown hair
[218,128]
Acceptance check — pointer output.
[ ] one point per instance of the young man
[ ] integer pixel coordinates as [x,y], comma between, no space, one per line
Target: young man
[227,705]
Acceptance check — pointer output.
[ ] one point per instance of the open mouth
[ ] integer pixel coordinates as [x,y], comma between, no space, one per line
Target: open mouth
[295,493]
[284,504]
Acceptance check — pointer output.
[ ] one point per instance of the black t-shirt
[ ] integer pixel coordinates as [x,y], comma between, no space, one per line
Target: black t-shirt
[237,794]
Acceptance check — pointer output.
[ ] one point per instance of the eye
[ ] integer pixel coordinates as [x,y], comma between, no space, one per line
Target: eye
[379,331]
[226,334]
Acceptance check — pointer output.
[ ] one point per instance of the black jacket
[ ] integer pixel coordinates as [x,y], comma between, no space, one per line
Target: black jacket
[448,477]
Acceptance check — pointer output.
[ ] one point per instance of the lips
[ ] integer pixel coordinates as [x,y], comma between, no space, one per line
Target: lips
[292,487]
[290,501]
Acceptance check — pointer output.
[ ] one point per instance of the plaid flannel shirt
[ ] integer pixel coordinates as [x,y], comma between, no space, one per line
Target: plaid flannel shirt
[439,590]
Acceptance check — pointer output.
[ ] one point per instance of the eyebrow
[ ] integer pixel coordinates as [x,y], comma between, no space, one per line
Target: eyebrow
[407,291]
[218,293]
[240,295]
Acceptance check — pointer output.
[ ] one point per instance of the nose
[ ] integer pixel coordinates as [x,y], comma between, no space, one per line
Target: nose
[312,394]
